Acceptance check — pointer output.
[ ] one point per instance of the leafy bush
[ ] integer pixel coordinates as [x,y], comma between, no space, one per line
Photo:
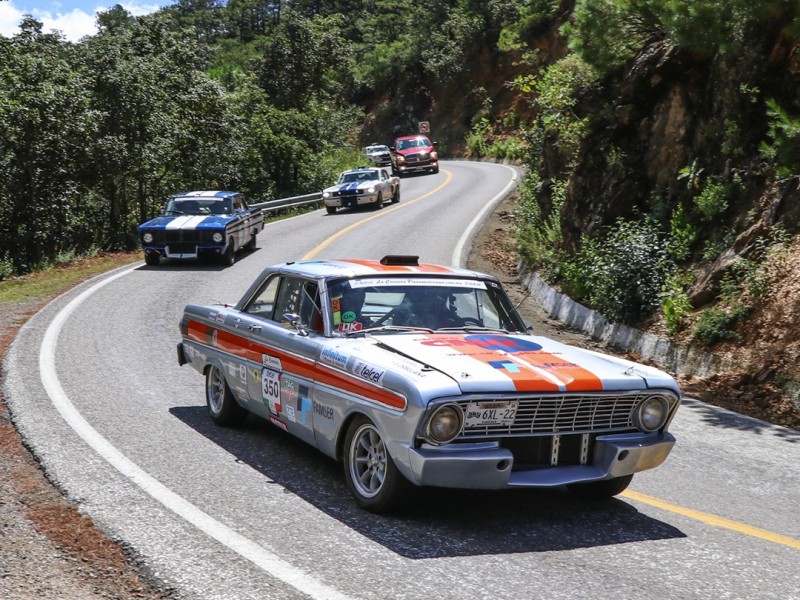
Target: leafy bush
[675,304]
[712,201]
[782,148]
[539,234]
[624,273]
[715,324]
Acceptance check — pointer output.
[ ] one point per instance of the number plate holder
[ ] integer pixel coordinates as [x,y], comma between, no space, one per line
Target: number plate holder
[482,414]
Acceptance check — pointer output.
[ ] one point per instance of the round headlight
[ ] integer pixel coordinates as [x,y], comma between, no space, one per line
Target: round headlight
[371,190]
[445,424]
[217,237]
[147,237]
[652,413]
[326,194]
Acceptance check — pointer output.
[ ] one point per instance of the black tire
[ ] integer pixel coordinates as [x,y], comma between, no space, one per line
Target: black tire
[230,255]
[369,470]
[252,245]
[152,259]
[435,169]
[597,490]
[396,196]
[331,210]
[379,202]
[222,406]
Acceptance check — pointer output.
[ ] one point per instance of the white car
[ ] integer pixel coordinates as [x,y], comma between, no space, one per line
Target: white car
[365,185]
[424,375]
[379,155]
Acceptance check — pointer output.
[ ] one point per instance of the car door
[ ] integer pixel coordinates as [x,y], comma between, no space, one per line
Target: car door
[283,350]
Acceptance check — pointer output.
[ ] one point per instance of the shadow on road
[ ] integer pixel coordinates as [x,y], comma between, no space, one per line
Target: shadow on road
[439,523]
[720,417]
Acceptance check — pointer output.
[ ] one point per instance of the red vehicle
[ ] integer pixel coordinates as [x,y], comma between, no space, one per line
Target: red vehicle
[412,153]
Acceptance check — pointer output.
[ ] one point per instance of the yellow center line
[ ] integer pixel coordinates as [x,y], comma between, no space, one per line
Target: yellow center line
[382,213]
[714,520]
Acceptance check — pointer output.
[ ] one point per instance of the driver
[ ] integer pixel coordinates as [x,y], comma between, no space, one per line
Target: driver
[432,309]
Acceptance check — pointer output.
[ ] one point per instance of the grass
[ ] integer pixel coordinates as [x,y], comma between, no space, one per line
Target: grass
[49,282]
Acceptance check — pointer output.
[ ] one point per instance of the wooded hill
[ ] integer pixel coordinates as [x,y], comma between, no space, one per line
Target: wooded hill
[661,139]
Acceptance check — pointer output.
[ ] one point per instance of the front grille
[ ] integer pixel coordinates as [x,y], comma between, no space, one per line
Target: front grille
[538,452]
[418,158]
[560,414]
[178,236]
[347,193]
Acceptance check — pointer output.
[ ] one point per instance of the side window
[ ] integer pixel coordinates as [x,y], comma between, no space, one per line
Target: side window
[263,303]
[300,297]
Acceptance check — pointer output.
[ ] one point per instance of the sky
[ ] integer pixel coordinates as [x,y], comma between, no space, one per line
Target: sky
[74,18]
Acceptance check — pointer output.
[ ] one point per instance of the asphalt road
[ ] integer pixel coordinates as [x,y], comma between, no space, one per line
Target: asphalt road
[96,391]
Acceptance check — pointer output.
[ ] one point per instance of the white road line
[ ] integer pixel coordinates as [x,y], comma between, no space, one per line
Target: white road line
[243,546]
[456,258]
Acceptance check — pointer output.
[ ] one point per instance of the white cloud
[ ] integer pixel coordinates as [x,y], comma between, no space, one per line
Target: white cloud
[74,24]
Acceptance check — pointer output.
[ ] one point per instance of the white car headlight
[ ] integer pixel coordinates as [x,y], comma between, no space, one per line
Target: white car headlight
[147,237]
[217,237]
[651,414]
[444,424]
[326,194]
[435,155]
[371,190]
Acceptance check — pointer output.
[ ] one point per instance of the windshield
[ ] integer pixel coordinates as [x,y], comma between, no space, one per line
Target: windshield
[427,303]
[377,149]
[198,206]
[360,176]
[420,142]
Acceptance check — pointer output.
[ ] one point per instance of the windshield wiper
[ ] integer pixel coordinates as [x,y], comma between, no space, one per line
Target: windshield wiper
[474,328]
[389,328]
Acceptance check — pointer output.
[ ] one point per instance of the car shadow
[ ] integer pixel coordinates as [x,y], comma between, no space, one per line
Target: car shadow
[195,264]
[437,523]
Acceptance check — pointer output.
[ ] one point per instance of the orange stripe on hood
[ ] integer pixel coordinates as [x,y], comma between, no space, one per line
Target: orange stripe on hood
[518,359]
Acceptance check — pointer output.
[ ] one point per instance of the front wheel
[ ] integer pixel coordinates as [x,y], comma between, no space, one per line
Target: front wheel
[435,169]
[369,470]
[152,259]
[396,196]
[230,255]
[597,490]
[330,210]
[222,406]
[379,202]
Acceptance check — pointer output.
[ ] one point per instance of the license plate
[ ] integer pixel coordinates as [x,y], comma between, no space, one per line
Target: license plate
[481,414]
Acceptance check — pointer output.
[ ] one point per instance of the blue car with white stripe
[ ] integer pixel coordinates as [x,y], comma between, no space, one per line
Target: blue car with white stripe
[364,185]
[201,224]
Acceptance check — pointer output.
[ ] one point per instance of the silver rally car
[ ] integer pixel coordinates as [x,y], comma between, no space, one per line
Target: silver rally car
[423,375]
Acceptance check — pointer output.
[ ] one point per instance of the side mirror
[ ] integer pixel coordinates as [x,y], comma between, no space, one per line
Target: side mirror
[296,323]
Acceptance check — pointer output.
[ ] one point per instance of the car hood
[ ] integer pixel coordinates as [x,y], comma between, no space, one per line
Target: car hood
[349,187]
[489,362]
[187,222]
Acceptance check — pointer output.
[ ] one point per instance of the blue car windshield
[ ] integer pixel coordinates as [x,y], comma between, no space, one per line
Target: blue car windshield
[198,206]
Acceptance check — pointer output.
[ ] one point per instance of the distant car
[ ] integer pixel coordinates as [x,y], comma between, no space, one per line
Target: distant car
[425,375]
[365,185]
[414,153]
[378,155]
[202,224]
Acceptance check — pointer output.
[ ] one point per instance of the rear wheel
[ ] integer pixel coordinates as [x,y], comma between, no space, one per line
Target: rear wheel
[252,244]
[597,490]
[369,470]
[222,406]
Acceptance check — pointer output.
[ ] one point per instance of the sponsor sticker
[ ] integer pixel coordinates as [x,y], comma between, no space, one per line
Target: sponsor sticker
[349,327]
[334,358]
[369,372]
[271,362]
[348,316]
[473,284]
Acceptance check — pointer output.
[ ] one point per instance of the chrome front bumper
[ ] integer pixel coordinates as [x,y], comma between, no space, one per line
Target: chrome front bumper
[488,466]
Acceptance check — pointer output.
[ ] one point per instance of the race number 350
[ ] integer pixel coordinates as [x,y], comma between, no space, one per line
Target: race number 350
[271,389]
